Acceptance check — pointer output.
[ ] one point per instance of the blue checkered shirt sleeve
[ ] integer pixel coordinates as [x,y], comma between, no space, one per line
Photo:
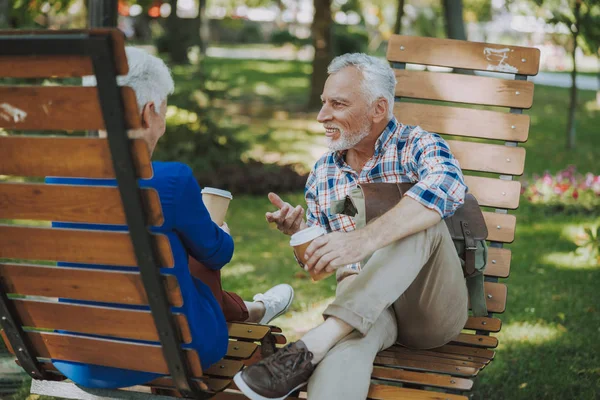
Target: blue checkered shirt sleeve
[440,184]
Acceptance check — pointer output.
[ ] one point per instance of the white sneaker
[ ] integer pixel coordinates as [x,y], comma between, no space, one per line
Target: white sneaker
[277,301]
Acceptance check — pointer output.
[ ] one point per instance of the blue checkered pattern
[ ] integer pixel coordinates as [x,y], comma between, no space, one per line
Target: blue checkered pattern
[402,154]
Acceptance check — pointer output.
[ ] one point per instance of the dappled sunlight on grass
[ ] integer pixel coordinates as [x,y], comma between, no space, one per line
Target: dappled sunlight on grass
[530,333]
[234,269]
[568,261]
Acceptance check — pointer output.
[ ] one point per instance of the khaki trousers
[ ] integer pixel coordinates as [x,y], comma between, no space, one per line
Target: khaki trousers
[411,292]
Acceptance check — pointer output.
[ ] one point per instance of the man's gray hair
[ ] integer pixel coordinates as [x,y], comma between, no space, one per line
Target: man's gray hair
[378,77]
[148,76]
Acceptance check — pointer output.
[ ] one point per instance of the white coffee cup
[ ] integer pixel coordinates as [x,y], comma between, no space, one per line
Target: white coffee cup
[300,242]
[217,203]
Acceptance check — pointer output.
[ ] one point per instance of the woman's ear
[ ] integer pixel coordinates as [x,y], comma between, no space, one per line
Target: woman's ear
[147,113]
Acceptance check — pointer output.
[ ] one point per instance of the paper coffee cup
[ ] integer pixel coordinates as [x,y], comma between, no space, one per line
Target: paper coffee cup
[216,202]
[300,242]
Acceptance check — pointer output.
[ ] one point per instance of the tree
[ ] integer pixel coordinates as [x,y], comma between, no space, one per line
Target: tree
[453,14]
[590,35]
[399,15]
[321,36]
[574,15]
[4,12]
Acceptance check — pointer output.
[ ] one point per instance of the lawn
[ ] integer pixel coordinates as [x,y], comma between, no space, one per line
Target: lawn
[549,347]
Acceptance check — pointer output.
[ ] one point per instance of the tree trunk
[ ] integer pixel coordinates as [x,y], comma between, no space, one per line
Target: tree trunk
[453,14]
[598,91]
[204,27]
[178,43]
[573,102]
[321,34]
[4,13]
[399,15]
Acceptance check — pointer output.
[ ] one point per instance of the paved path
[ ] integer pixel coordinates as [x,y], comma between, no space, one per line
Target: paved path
[543,78]
[11,375]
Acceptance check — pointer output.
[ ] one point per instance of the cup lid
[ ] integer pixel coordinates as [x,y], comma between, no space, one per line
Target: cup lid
[217,192]
[306,235]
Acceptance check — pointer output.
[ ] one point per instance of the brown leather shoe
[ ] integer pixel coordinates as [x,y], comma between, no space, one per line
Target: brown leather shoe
[277,376]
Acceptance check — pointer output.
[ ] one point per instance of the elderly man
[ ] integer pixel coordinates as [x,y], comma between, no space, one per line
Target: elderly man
[412,288]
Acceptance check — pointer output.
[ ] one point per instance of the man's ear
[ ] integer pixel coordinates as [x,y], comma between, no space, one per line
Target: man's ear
[380,110]
[147,113]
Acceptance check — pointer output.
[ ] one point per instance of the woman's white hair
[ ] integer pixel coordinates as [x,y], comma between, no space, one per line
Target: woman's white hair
[148,76]
[378,77]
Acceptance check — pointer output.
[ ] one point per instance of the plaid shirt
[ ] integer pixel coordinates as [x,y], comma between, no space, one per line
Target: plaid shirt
[402,154]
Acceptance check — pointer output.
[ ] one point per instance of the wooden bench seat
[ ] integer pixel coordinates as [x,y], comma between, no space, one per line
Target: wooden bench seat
[35,323]
[484,140]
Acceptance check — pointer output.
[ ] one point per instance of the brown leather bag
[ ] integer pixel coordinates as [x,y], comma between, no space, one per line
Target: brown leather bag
[467,224]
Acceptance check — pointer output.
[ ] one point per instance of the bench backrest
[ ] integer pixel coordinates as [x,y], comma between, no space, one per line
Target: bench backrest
[436,101]
[30,324]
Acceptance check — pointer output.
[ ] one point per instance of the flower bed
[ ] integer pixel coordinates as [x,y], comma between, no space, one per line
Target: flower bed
[568,190]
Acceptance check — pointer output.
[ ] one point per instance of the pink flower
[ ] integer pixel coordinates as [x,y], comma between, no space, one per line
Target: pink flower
[547,179]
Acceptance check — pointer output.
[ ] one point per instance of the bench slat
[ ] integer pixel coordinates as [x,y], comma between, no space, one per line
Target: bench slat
[68,203]
[498,263]
[465,350]
[488,157]
[464,121]
[114,322]
[108,353]
[484,324]
[431,358]
[425,366]
[68,157]
[451,87]
[241,350]
[495,298]
[462,54]
[476,340]
[501,227]
[60,66]
[81,284]
[420,378]
[384,392]
[73,245]
[225,368]
[403,350]
[248,332]
[491,192]
[60,108]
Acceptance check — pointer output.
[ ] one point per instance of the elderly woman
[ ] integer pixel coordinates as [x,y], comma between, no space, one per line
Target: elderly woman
[192,235]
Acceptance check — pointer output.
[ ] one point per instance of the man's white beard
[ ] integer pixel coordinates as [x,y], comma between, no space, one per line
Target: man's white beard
[347,140]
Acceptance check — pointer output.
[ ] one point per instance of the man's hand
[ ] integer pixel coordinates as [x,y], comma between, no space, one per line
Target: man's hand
[289,219]
[225,227]
[335,250]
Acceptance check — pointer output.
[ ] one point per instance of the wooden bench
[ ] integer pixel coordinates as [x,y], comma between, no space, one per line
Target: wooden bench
[30,323]
[435,101]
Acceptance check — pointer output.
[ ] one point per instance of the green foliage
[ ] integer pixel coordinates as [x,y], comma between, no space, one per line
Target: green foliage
[284,36]
[251,33]
[349,39]
[24,13]
[195,134]
[589,244]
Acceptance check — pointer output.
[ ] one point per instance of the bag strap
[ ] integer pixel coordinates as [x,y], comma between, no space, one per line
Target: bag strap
[477,295]
[470,247]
